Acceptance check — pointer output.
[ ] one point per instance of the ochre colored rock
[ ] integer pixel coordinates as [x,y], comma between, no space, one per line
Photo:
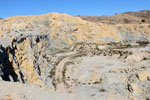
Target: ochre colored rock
[143,76]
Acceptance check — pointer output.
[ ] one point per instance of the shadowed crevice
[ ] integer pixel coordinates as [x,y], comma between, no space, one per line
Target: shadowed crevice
[7,70]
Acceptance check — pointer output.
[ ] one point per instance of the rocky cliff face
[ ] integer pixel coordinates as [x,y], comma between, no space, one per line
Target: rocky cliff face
[62,53]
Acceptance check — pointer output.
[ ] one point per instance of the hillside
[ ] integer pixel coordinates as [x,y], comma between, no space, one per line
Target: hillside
[65,57]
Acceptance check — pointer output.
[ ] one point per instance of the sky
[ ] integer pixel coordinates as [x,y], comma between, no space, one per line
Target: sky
[73,7]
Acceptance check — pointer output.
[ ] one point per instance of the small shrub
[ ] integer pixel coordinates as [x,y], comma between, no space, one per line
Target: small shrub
[126,20]
[143,20]
[102,90]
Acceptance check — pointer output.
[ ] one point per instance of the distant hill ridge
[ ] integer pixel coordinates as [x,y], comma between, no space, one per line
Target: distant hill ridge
[141,17]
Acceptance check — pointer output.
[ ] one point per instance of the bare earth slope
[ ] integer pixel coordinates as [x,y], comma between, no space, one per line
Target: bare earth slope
[70,58]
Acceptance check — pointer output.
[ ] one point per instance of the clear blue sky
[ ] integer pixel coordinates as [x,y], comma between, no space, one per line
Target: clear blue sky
[72,7]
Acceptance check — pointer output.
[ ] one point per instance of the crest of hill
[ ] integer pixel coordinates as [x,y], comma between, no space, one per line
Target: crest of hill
[75,30]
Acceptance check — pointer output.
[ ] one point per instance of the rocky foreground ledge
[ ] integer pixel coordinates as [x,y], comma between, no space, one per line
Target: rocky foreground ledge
[60,57]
